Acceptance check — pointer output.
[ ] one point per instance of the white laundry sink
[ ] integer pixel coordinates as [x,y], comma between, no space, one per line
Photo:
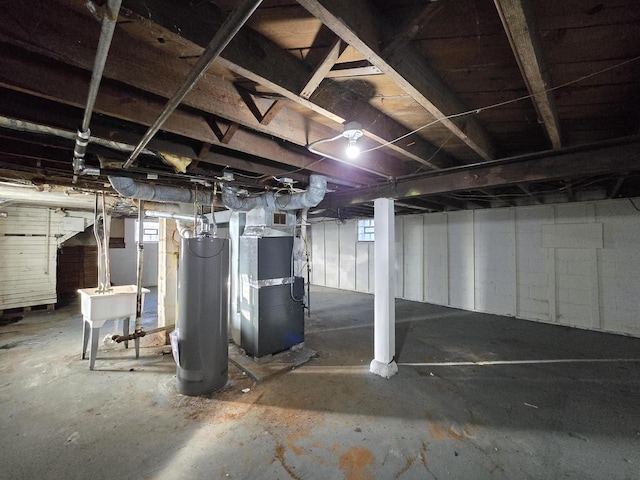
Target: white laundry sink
[119,303]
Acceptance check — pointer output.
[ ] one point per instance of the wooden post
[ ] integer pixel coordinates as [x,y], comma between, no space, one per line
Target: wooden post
[168,246]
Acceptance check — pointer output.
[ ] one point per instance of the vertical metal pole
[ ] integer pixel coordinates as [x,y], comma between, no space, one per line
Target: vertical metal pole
[140,262]
[96,225]
[305,238]
[106,227]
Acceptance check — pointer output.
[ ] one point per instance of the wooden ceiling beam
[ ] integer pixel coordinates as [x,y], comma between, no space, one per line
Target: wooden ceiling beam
[596,160]
[518,20]
[322,69]
[354,69]
[60,149]
[413,24]
[271,112]
[24,73]
[109,103]
[258,59]
[359,24]
[250,101]
[47,30]
[229,133]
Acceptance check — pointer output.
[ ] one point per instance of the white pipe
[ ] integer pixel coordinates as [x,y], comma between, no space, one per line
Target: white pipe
[174,216]
[177,212]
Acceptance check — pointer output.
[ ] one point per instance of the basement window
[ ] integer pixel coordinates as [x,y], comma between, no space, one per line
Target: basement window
[149,232]
[366,230]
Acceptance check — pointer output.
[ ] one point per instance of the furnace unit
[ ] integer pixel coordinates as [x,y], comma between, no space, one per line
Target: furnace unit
[271,300]
[267,308]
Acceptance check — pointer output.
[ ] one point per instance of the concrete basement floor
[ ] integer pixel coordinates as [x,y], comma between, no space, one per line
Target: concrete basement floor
[329,419]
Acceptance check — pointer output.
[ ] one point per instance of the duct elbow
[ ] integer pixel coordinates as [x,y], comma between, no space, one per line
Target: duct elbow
[316,191]
[309,198]
[125,186]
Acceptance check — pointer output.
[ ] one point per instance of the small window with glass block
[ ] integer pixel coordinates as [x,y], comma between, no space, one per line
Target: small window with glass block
[366,230]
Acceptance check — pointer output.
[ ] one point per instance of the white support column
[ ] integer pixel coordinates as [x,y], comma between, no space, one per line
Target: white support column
[383,363]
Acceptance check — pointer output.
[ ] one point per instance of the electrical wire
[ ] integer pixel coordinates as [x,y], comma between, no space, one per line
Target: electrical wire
[506,102]
[421,167]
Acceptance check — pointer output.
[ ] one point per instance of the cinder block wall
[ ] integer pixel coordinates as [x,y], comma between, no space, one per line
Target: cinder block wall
[573,264]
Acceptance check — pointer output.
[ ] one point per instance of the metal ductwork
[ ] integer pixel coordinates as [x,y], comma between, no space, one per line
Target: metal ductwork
[277,201]
[129,188]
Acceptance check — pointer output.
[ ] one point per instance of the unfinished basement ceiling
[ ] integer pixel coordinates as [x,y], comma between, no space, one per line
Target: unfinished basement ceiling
[550,90]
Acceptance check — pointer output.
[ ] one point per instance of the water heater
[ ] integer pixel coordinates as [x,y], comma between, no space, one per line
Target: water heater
[201,327]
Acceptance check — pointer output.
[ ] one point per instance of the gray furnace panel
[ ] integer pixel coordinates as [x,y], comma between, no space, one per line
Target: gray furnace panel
[272,314]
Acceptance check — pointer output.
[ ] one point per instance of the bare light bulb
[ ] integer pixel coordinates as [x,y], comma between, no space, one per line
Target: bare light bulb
[353,150]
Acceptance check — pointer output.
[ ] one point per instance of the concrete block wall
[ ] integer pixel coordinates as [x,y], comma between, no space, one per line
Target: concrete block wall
[573,264]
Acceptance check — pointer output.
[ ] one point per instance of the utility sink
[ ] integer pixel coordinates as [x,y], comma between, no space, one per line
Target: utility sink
[118,303]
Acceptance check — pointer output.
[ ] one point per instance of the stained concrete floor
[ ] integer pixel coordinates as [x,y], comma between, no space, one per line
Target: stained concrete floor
[329,419]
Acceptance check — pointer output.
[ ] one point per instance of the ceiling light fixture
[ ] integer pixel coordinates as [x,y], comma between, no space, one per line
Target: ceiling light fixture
[352,131]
